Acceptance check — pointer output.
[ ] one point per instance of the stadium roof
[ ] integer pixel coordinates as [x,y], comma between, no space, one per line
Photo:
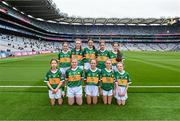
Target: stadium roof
[44,9]
[114,21]
[47,10]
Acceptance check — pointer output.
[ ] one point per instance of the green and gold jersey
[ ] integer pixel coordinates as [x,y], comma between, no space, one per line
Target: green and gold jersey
[122,78]
[92,77]
[64,59]
[89,54]
[54,78]
[102,56]
[107,79]
[77,54]
[113,56]
[74,77]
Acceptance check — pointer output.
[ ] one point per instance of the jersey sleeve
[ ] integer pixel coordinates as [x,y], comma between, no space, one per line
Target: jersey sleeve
[70,52]
[46,78]
[129,79]
[100,76]
[96,52]
[109,53]
[84,52]
[99,73]
[61,77]
[82,75]
[85,74]
[115,76]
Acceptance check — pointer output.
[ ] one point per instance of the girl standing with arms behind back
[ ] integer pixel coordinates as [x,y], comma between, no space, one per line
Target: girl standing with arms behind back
[77,53]
[115,55]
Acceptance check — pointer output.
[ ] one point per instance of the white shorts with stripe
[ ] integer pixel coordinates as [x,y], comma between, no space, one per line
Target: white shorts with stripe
[107,93]
[92,90]
[74,91]
[56,95]
[118,90]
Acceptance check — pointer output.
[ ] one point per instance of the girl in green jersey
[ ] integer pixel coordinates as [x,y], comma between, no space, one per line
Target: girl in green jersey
[54,81]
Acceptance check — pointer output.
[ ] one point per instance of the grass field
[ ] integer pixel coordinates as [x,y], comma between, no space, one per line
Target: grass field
[145,68]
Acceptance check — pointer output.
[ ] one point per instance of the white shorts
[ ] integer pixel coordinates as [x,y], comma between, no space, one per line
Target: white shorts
[115,68]
[107,93]
[63,70]
[92,90]
[118,90]
[57,95]
[74,91]
[87,65]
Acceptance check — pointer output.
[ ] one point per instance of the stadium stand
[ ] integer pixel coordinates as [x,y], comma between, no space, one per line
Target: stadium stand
[22,33]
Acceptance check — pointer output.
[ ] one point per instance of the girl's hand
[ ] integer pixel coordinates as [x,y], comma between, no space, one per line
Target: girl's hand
[123,93]
[56,90]
[53,90]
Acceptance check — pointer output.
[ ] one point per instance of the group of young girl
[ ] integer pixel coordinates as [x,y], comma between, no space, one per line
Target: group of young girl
[100,71]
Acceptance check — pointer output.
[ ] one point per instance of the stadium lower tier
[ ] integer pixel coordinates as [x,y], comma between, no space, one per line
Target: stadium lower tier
[12,43]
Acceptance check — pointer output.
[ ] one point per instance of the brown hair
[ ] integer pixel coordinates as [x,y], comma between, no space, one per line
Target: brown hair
[53,60]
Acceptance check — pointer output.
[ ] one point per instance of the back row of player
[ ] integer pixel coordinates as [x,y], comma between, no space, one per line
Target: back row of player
[71,69]
[84,55]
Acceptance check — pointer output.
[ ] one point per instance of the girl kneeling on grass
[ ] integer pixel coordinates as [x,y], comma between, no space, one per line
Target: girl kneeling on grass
[121,85]
[54,80]
[107,84]
[92,77]
[74,77]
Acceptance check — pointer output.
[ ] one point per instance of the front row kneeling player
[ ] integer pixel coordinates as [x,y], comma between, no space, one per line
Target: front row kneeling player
[107,82]
[92,77]
[74,77]
[121,85]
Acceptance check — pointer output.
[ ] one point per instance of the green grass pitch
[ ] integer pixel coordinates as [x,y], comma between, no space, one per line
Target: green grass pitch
[145,69]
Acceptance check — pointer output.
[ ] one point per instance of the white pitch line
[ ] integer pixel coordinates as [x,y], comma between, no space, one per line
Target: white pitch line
[154,86]
[23,86]
[83,86]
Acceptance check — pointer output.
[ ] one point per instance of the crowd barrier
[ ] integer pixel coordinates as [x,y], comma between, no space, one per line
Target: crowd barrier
[24,53]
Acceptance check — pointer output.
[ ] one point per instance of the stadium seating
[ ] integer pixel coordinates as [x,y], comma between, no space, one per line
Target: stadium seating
[15,43]
[11,43]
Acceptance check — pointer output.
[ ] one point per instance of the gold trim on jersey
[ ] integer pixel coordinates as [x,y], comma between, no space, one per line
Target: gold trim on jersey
[74,78]
[122,82]
[107,79]
[78,57]
[62,60]
[102,58]
[54,80]
[92,80]
[90,56]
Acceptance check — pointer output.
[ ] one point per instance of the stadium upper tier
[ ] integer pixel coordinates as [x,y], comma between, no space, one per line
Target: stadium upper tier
[47,10]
